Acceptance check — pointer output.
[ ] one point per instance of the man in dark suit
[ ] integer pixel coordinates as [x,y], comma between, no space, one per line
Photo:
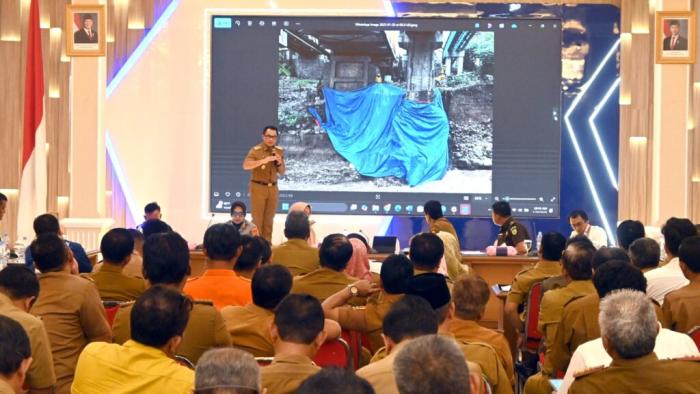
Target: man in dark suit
[675,42]
[86,35]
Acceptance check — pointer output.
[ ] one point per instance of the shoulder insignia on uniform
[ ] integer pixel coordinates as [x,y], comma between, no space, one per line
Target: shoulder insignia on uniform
[514,230]
[687,358]
[193,278]
[126,303]
[277,147]
[257,147]
[87,277]
[204,302]
[588,371]
[572,300]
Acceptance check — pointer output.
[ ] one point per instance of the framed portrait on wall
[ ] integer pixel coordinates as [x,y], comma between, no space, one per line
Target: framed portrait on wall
[675,37]
[85,30]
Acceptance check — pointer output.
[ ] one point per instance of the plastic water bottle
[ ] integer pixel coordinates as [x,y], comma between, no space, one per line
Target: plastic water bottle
[538,240]
[20,247]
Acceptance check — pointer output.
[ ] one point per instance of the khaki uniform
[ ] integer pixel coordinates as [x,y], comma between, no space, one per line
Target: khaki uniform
[681,308]
[471,331]
[443,224]
[113,285]
[5,388]
[286,373]
[642,375]
[133,269]
[380,374]
[512,233]
[523,281]
[205,329]
[249,328]
[40,374]
[263,188]
[73,315]
[369,320]
[323,283]
[297,256]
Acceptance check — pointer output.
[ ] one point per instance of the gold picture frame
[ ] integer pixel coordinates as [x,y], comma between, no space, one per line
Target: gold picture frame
[676,37]
[85,30]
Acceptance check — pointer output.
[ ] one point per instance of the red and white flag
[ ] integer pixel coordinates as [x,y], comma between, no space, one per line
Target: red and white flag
[32,191]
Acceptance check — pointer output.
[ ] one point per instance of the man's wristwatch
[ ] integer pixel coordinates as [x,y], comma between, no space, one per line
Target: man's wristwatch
[354,291]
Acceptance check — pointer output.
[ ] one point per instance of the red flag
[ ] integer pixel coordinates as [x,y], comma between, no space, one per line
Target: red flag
[32,193]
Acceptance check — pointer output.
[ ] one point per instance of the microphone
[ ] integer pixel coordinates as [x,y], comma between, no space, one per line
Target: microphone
[201,246]
[210,220]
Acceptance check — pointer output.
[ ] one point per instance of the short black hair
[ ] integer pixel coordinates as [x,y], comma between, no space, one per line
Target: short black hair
[616,275]
[116,245]
[19,282]
[14,346]
[136,235]
[251,255]
[553,244]
[433,208]
[166,258]
[299,318]
[576,260]
[49,252]
[580,239]
[335,252]
[46,223]
[409,317]
[158,315]
[628,231]
[87,16]
[645,253]
[3,197]
[238,204]
[221,241]
[578,213]
[501,208]
[674,22]
[154,226]
[426,251]
[335,380]
[269,127]
[296,225]
[689,253]
[151,207]
[266,249]
[606,254]
[396,270]
[675,231]
[270,284]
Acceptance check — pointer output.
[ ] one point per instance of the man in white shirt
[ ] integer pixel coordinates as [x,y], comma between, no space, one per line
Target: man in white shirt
[580,225]
[669,277]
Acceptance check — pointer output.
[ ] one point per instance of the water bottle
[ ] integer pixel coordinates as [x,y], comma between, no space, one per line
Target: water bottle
[538,240]
[20,247]
[4,251]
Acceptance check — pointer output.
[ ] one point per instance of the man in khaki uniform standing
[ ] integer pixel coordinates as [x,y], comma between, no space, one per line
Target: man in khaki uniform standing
[265,162]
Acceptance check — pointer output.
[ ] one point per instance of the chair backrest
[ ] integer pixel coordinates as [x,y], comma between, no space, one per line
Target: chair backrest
[184,361]
[486,387]
[334,353]
[695,334]
[533,336]
[111,309]
[354,340]
[264,361]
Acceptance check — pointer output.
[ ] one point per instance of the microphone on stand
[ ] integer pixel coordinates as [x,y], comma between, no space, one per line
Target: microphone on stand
[210,220]
[201,246]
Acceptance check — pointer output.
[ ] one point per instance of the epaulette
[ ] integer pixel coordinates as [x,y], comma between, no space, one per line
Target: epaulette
[526,269]
[687,358]
[589,371]
[257,147]
[87,276]
[572,300]
[204,302]
[126,303]
[280,148]
[193,278]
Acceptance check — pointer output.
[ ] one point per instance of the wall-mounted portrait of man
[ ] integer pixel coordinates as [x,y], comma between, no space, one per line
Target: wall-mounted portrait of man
[85,30]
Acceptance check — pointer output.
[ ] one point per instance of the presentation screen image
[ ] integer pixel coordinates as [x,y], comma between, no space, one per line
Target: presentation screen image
[377,116]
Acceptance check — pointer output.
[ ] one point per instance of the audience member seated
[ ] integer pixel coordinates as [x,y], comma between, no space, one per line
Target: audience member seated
[19,287]
[219,283]
[154,226]
[336,381]
[396,271]
[301,206]
[166,262]
[629,231]
[334,255]
[437,222]
[409,318]
[592,354]
[117,247]
[248,325]
[433,364]
[605,254]
[548,266]
[250,258]
[238,220]
[3,205]
[69,306]
[645,254]
[426,252]
[629,332]
[48,224]
[576,268]
[227,371]
[16,356]
[297,333]
[580,225]
[452,256]
[266,256]
[669,277]
[579,320]
[134,268]
[296,254]
[358,266]
[681,307]
[144,363]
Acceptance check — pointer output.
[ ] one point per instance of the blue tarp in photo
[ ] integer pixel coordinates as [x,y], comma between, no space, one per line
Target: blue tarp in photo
[383,134]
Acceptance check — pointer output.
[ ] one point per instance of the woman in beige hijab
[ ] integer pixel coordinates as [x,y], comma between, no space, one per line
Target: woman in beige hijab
[305,207]
[453,255]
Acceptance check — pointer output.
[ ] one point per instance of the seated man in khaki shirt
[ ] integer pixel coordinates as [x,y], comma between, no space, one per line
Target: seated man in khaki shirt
[227,370]
[334,254]
[296,254]
[166,260]
[681,308]
[134,269]
[69,306]
[16,356]
[297,333]
[117,247]
[19,287]
[335,380]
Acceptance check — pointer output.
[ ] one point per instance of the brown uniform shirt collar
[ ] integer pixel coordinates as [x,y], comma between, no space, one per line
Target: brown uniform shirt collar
[507,223]
[640,363]
[292,359]
[107,267]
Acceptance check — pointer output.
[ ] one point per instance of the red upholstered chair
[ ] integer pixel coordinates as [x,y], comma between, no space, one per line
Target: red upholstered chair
[532,335]
[264,361]
[335,353]
[111,308]
[354,340]
[695,334]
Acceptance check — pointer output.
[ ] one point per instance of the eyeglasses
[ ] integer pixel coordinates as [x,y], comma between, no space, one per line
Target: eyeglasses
[238,214]
[270,136]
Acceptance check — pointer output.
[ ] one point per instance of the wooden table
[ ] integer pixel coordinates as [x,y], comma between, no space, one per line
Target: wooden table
[198,263]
